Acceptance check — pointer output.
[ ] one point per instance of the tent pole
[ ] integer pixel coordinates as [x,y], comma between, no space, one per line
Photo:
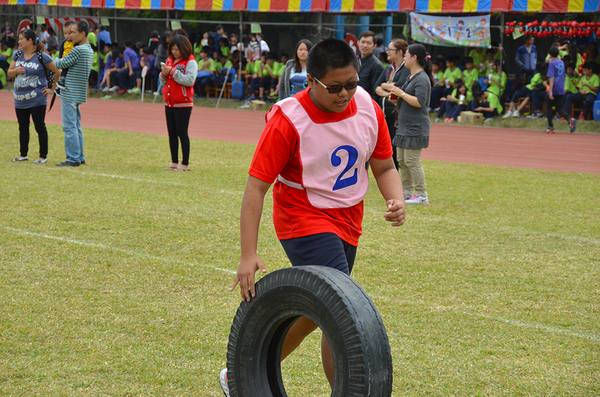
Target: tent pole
[116,40]
[241,45]
[320,26]
[167,27]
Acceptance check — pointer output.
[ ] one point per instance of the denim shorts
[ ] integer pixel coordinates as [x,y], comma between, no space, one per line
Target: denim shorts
[323,249]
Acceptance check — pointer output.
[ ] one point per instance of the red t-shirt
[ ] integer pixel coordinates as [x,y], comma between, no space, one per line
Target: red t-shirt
[278,154]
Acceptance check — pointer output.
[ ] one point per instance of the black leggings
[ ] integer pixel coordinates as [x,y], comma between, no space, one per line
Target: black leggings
[38,114]
[558,103]
[178,120]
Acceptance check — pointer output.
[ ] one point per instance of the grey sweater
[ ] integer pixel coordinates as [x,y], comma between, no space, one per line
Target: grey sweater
[413,123]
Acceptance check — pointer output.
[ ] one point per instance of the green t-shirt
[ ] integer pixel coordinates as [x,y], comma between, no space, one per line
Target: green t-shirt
[7,54]
[451,75]
[478,57]
[494,102]
[210,67]
[273,69]
[493,86]
[225,51]
[439,76]
[470,77]
[593,80]
[571,84]
[535,81]
[2,77]
[95,65]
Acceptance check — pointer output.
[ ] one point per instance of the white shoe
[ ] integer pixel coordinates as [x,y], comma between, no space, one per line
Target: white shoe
[516,114]
[508,114]
[114,88]
[224,382]
[105,89]
[418,200]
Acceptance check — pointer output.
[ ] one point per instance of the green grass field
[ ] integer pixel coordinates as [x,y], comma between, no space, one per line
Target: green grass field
[114,276]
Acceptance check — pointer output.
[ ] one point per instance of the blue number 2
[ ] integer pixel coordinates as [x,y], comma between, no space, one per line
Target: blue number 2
[336,160]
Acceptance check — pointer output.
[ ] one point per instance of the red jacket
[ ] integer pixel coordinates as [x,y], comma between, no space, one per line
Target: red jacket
[176,95]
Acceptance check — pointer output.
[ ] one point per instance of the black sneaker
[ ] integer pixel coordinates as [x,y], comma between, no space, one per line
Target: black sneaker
[67,164]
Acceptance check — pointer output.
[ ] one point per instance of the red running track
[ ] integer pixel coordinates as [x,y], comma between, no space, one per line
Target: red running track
[452,143]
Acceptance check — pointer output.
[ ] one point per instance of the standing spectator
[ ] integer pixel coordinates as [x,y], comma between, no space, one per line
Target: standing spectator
[234,42]
[264,47]
[127,76]
[556,92]
[394,74]
[588,91]
[217,37]
[293,79]
[43,35]
[103,36]
[7,31]
[79,62]
[412,135]
[314,223]
[370,67]
[28,67]
[161,52]
[206,72]
[526,57]
[52,39]
[253,49]
[178,76]
[592,53]
[153,41]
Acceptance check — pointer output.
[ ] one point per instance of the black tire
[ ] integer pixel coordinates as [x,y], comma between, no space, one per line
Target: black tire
[338,305]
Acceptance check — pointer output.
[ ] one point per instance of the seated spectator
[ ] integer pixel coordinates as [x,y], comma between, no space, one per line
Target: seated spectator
[454,103]
[120,66]
[538,94]
[478,56]
[268,75]
[110,67]
[451,73]
[127,76]
[206,72]
[470,75]
[485,102]
[526,93]
[224,47]
[6,52]
[486,67]
[146,59]
[496,80]
[255,71]
[571,80]
[588,91]
[438,85]
[224,70]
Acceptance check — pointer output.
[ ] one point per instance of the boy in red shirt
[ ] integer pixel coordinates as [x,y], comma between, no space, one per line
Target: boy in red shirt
[315,147]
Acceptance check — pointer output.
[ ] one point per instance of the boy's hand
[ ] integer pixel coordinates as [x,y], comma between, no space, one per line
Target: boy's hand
[396,212]
[245,276]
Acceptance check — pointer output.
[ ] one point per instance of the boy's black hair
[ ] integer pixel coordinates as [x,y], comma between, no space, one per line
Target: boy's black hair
[205,49]
[128,43]
[271,55]
[330,54]
[571,65]
[553,51]
[588,65]
[490,51]
[468,60]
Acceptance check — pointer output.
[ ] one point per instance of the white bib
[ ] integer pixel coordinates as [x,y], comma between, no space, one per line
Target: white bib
[334,155]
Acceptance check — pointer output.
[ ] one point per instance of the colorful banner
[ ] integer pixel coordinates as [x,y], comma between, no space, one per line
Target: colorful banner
[556,6]
[210,5]
[451,31]
[72,3]
[287,5]
[460,6]
[139,4]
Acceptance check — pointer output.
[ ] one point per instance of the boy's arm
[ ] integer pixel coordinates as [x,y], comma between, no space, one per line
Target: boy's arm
[252,206]
[390,186]
[551,85]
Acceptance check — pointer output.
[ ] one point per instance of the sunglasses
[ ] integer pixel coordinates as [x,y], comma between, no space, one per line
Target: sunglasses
[335,89]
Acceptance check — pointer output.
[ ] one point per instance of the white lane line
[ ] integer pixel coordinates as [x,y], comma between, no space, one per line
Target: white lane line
[516,323]
[106,247]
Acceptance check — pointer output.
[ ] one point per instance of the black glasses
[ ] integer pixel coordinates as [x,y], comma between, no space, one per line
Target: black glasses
[335,89]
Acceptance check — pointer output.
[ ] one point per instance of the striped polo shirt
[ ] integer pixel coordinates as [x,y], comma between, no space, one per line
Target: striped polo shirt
[79,63]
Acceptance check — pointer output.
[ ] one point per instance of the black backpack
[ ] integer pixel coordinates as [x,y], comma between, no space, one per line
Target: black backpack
[49,73]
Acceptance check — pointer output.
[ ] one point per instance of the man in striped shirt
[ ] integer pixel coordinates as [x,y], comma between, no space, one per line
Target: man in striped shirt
[79,63]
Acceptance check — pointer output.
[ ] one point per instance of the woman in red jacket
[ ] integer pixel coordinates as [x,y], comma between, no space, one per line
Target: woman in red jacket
[178,76]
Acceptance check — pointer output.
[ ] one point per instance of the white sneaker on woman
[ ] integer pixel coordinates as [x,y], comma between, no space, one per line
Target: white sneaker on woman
[224,382]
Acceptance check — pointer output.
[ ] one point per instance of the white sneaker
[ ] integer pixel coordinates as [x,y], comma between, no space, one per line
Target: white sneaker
[223,379]
[114,88]
[508,114]
[418,200]
[516,114]
[105,89]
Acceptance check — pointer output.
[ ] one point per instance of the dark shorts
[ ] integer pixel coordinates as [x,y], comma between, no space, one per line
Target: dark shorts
[323,249]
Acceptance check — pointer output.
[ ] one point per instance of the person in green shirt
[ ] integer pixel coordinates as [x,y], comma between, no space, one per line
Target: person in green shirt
[269,77]
[6,53]
[524,92]
[451,73]
[478,56]
[496,80]
[470,75]
[486,67]
[206,71]
[571,80]
[438,85]
[485,102]
[588,91]
[221,70]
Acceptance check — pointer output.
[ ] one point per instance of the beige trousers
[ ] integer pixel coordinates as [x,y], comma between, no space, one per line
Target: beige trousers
[411,172]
